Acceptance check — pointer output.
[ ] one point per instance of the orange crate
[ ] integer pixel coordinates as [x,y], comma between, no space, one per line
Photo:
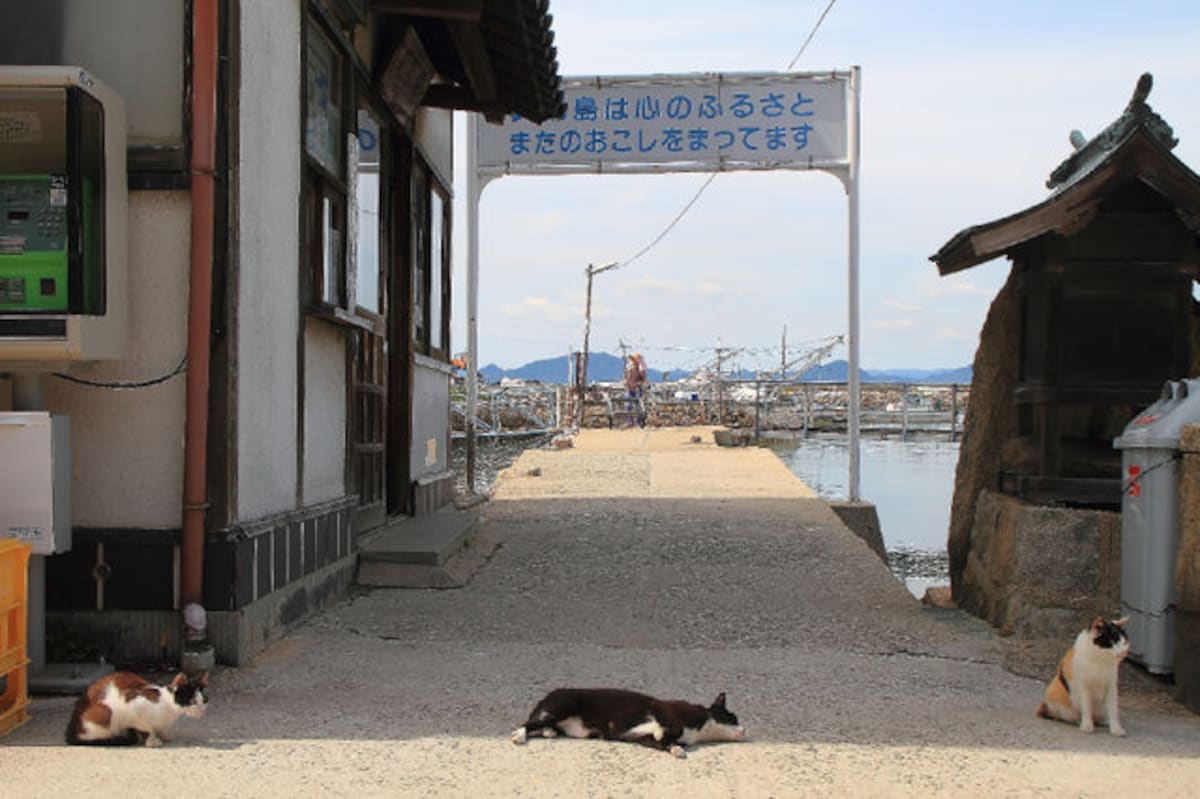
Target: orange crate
[14,562]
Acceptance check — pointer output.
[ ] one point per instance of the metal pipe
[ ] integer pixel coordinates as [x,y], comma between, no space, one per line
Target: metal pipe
[473,191]
[852,341]
[204,156]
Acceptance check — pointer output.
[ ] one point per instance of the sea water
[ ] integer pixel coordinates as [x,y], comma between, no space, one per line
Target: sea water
[911,483]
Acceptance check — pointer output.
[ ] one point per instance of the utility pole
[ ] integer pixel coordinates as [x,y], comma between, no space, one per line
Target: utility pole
[720,387]
[581,375]
[783,355]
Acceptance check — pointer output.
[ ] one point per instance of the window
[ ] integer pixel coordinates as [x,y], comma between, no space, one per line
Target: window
[431,263]
[325,144]
[323,126]
[438,268]
[420,257]
[367,208]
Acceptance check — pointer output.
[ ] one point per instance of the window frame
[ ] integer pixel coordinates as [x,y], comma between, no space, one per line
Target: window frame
[329,273]
[425,185]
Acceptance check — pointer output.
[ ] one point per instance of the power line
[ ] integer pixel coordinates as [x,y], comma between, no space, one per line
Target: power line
[713,176]
[674,222]
[811,34]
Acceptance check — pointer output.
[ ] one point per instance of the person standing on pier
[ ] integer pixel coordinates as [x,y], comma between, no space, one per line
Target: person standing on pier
[635,375]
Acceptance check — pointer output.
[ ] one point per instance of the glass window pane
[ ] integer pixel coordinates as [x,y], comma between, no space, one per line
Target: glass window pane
[437,217]
[367,194]
[420,238]
[323,103]
[331,252]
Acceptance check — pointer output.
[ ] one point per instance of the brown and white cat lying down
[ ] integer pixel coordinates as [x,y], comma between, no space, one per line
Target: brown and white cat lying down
[1084,688]
[122,709]
[619,715]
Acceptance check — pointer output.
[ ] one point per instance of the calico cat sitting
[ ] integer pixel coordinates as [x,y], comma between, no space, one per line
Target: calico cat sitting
[1084,689]
[618,715]
[122,709]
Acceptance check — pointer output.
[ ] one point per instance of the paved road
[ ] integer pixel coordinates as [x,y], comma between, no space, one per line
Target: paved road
[647,561]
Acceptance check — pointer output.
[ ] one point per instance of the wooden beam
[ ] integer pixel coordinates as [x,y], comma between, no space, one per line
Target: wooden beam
[456,98]
[472,51]
[437,9]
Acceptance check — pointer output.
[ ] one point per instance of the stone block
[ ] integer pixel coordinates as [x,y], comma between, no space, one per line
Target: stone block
[1041,571]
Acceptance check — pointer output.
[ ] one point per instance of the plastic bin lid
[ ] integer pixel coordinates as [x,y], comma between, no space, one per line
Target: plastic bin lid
[1159,425]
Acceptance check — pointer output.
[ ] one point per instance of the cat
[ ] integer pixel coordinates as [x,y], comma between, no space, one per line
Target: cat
[619,715]
[122,709]
[1084,689]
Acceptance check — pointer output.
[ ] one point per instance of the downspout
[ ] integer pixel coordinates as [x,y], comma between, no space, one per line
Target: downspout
[204,156]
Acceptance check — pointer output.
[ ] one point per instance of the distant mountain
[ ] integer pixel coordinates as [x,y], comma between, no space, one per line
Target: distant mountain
[606,368]
[602,368]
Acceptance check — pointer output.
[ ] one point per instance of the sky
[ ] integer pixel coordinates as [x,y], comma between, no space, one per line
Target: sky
[966,109]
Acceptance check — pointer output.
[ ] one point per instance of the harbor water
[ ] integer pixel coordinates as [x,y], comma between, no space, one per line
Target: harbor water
[911,483]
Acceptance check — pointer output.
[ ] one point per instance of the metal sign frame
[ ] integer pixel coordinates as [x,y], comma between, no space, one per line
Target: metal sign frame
[702,122]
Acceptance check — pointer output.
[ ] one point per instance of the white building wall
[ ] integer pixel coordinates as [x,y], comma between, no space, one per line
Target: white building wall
[127,444]
[324,412]
[434,133]
[431,418]
[267,271]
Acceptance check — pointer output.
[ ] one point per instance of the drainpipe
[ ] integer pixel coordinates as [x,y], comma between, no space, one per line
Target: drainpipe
[204,156]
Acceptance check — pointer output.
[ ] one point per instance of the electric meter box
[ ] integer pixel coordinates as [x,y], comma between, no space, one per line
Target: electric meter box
[63,199]
[35,480]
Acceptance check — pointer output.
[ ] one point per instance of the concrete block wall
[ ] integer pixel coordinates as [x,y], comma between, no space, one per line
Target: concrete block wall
[1039,571]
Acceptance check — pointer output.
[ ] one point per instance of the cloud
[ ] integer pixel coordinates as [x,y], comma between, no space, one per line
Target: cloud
[542,310]
[893,324]
[659,284]
[711,288]
[900,305]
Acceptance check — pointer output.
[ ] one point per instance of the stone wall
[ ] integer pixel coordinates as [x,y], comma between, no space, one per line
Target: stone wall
[991,419]
[1041,571]
[1187,573]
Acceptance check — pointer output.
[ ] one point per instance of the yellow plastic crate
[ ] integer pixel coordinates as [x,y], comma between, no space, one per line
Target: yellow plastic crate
[14,599]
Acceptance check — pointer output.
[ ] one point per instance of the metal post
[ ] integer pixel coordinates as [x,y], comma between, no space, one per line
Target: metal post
[757,404]
[852,342]
[807,408]
[904,412]
[476,183]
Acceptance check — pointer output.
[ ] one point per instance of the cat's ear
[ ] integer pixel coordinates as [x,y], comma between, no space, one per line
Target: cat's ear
[202,680]
[1098,623]
[180,680]
[720,700]
[1121,622]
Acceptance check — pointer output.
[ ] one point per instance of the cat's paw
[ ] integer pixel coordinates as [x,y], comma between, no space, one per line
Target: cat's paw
[1116,729]
[1087,725]
[518,736]
[677,751]
[154,741]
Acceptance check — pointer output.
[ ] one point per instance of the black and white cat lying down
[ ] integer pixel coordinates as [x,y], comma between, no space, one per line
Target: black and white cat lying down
[618,715]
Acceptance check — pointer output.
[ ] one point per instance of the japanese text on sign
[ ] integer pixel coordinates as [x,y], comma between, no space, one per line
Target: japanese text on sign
[776,119]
